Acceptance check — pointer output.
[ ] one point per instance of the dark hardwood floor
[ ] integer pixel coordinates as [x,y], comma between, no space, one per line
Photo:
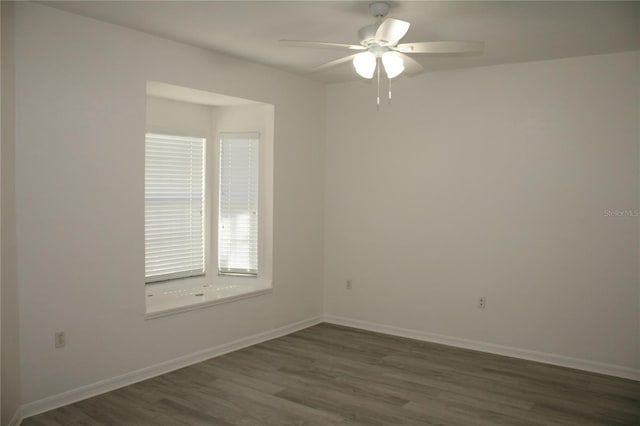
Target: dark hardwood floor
[331,375]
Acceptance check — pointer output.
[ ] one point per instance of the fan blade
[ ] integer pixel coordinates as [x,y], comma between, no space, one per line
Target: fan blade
[443,47]
[411,66]
[391,30]
[332,63]
[320,44]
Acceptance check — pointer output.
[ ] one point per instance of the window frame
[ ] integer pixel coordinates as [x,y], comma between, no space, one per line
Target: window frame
[255,173]
[191,273]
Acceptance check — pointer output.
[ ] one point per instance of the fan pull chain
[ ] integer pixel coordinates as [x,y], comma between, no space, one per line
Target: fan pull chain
[389,91]
[378,98]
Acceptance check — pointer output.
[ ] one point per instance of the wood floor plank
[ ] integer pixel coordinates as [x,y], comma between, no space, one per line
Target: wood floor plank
[329,375]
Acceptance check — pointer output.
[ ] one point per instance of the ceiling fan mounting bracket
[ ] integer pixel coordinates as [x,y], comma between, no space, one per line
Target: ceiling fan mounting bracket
[379,9]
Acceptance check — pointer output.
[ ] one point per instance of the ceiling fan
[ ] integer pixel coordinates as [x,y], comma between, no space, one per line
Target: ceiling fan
[379,44]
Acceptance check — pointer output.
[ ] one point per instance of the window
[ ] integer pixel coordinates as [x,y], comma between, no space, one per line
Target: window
[238,204]
[174,207]
[208,199]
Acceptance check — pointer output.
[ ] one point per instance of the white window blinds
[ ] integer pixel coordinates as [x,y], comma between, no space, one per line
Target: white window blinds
[174,207]
[238,216]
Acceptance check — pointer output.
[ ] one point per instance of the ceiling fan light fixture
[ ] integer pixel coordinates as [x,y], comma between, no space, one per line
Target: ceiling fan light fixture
[365,64]
[393,64]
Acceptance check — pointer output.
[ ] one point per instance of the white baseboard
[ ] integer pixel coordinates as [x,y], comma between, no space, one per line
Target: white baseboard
[16,419]
[107,385]
[547,358]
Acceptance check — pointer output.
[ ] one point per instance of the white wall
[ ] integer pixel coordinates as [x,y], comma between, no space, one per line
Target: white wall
[491,182]
[175,117]
[10,389]
[80,123]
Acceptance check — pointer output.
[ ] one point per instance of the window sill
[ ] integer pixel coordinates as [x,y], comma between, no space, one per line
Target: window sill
[173,298]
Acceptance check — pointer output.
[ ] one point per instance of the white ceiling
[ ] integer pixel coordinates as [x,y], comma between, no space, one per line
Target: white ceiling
[514,31]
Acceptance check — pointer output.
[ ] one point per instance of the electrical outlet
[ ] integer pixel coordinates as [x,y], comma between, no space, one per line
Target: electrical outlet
[349,285]
[482,302]
[59,339]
